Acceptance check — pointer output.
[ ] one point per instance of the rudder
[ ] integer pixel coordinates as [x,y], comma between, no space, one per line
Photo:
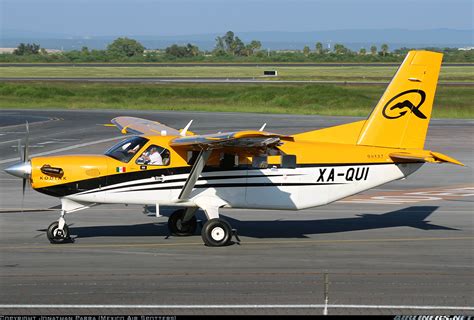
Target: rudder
[401,117]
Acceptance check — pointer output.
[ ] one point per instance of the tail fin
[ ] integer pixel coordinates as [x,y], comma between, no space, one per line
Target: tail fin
[401,117]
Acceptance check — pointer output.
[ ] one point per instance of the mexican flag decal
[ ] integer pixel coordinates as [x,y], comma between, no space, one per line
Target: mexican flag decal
[120,169]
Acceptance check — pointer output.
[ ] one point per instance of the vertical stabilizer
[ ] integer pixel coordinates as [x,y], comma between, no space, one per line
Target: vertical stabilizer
[401,117]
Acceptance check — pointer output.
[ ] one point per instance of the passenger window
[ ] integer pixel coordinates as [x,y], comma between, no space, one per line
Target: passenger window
[192,157]
[155,156]
[260,162]
[228,161]
[288,161]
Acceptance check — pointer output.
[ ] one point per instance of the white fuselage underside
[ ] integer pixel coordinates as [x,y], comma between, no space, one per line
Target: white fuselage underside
[272,188]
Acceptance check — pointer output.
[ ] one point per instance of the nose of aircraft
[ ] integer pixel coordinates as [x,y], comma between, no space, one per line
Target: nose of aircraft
[20,169]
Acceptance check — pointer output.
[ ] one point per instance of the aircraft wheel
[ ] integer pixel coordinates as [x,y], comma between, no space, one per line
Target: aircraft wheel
[178,228]
[216,233]
[57,236]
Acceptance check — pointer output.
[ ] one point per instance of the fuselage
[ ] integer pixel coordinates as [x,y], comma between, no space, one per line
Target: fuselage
[305,174]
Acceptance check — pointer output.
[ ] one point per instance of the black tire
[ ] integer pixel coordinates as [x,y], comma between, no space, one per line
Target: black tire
[178,228]
[55,237]
[216,233]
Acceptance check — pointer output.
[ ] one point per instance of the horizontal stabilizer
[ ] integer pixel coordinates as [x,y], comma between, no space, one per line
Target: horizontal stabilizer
[425,156]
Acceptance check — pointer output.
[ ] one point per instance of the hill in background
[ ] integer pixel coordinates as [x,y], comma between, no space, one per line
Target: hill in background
[275,40]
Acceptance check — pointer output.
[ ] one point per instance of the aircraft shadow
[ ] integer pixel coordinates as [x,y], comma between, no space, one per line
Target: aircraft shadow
[414,217]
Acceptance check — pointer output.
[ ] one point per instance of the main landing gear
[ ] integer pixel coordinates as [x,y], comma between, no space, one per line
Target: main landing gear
[58,231]
[183,222]
[216,232]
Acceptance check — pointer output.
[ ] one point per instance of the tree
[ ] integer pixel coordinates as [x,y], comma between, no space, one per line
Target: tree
[340,49]
[384,48]
[362,52]
[319,48]
[373,50]
[238,47]
[125,47]
[254,45]
[220,46]
[229,41]
[230,44]
[219,49]
[188,50]
[26,49]
[306,50]
[192,50]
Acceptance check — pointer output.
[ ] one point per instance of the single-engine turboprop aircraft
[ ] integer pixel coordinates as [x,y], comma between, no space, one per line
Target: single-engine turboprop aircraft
[257,169]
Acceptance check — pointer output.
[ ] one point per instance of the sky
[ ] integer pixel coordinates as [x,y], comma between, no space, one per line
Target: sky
[185,17]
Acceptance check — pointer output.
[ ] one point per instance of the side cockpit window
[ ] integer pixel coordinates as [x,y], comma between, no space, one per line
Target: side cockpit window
[155,156]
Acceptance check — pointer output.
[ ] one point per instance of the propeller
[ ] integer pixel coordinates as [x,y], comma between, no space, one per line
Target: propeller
[22,169]
[26,158]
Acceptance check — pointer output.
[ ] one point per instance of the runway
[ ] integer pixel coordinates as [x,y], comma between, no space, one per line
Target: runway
[256,80]
[206,64]
[405,247]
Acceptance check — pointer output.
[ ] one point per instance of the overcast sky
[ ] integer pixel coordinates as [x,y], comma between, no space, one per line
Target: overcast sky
[178,17]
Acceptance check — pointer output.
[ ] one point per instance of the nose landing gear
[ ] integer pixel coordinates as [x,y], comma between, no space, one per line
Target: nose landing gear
[58,231]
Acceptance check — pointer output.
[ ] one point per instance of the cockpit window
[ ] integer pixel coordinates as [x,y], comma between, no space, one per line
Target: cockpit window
[125,150]
[155,156]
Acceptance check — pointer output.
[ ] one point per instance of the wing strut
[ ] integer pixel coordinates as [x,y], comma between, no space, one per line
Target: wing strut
[194,174]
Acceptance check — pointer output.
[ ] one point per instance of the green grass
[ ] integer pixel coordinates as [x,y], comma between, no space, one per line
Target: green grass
[355,73]
[450,102]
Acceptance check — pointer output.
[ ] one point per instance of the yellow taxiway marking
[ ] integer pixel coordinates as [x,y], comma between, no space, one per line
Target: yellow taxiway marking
[178,244]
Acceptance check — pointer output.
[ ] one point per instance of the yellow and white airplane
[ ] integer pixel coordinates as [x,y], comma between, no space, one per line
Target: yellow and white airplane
[247,169]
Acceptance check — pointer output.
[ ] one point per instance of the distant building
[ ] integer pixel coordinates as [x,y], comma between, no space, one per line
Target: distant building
[466,48]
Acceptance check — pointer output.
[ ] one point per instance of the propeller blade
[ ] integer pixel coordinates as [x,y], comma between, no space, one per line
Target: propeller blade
[23,194]
[24,186]
[20,153]
[26,158]
[27,137]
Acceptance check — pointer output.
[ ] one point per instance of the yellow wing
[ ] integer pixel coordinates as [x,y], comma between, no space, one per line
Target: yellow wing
[143,127]
[249,140]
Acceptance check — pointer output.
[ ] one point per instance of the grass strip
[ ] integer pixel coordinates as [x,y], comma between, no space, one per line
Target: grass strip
[450,102]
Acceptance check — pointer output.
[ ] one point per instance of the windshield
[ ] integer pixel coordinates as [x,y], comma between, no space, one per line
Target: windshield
[125,150]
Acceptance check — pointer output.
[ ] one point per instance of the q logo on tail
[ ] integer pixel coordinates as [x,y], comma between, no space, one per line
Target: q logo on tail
[394,108]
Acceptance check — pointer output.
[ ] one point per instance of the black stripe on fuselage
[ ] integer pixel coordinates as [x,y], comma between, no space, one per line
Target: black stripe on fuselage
[83,186]
[169,180]
[233,185]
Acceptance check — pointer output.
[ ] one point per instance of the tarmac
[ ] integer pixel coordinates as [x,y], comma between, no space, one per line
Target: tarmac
[207,64]
[403,248]
[216,80]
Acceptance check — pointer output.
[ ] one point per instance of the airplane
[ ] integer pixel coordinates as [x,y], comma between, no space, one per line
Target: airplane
[253,169]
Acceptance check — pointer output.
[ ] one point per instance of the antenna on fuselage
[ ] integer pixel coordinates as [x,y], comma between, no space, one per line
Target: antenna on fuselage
[262,127]
[185,129]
